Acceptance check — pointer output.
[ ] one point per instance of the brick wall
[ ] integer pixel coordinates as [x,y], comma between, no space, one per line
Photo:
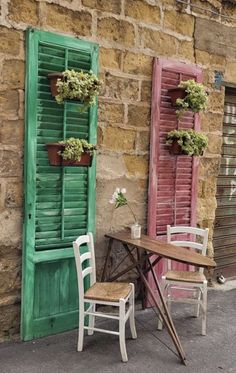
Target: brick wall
[130,33]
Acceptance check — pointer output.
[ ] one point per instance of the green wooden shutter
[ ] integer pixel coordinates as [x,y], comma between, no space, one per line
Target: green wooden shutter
[59,201]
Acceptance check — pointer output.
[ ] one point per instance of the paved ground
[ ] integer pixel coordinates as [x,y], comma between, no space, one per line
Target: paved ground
[213,353]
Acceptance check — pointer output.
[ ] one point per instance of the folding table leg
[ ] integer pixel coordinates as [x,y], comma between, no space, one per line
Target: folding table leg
[166,310]
[165,315]
[104,272]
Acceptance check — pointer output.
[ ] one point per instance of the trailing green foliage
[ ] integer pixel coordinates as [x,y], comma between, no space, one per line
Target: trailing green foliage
[195,100]
[75,147]
[191,142]
[81,86]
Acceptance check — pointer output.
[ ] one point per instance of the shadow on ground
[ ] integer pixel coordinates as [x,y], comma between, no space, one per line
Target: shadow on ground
[210,354]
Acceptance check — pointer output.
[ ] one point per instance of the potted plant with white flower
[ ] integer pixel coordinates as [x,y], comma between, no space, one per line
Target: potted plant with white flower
[189,95]
[119,199]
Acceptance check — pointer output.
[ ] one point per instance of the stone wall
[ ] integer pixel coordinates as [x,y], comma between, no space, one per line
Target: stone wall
[130,33]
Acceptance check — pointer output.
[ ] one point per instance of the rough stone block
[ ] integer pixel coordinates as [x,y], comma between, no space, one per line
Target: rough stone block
[11,132]
[206,41]
[139,116]
[113,6]
[209,167]
[143,141]
[215,143]
[10,230]
[229,9]
[146,91]
[110,58]
[13,74]
[24,11]
[14,195]
[143,11]
[211,122]
[10,41]
[118,139]
[110,167]
[67,20]
[216,102]
[137,64]
[206,210]
[111,113]
[10,164]
[207,188]
[179,22]
[116,30]
[9,321]
[10,275]
[159,42]
[136,165]
[186,50]
[230,71]
[9,105]
[121,88]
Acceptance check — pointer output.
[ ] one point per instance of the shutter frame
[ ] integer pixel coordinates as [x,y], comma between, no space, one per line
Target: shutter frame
[181,68]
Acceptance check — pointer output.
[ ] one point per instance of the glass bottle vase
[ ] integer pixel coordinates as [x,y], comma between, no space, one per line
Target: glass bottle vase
[135,231]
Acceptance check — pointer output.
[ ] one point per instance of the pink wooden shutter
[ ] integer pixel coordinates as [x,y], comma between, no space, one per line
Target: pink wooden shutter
[172,179]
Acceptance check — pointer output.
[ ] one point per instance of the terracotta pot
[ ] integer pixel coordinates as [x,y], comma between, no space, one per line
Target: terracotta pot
[53,81]
[175,93]
[56,159]
[175,148]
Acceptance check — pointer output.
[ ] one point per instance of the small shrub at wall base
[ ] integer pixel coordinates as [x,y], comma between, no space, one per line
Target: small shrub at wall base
[195,98]
[190,141]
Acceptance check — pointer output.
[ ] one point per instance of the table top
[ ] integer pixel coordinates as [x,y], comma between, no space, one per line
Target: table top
[164,249]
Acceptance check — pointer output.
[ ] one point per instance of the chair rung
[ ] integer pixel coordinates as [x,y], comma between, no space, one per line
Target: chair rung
[98,314]
[185,300]
[101,330]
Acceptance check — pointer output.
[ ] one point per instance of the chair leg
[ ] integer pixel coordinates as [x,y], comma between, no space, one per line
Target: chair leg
[81,329]
[91,320]
[204,309]
[199,302]
[131,318]
[122,331]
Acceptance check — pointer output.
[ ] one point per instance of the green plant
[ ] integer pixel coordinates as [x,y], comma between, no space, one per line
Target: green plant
[191,142]
[195,99]
[75,147]
[81,85]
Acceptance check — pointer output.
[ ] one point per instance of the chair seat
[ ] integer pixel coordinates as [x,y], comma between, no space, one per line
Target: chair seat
[108,291]
[185,276]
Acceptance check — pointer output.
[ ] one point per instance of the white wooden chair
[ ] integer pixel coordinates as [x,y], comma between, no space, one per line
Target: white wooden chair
[192,281]
[105,293]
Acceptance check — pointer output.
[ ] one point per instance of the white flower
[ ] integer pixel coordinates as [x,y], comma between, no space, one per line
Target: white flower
[117,190]
[111,201]
[123,190]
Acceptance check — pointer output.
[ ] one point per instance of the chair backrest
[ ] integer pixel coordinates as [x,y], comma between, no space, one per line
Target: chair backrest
[174,236]
[82,255]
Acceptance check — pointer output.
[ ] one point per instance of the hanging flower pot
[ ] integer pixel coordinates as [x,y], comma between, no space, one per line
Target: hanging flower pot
[189,95]
[186,142]
[53,81]
[175,148]
[176,93]
[71,152]
[78,86]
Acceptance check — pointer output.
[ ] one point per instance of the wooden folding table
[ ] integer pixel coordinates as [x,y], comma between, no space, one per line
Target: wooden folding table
[139,251]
